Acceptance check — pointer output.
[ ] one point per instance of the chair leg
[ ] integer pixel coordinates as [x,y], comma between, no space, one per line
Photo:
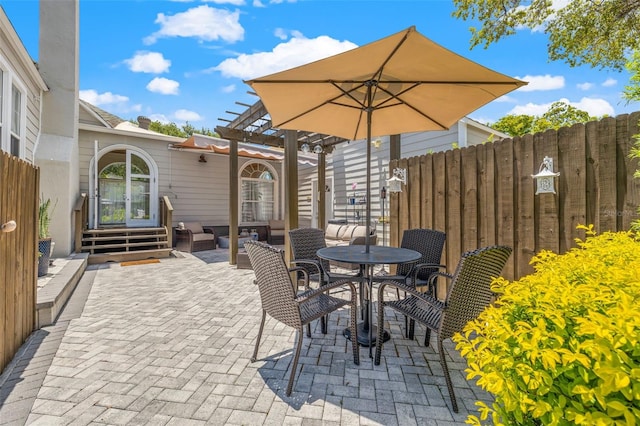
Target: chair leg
[255,351]
[309,330]
[447,377]
[380,329]
[411,329]
[427,337]
[294,364]
[324,323]
[354,329]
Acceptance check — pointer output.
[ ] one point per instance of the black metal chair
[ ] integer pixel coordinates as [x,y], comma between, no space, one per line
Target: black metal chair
[429,243]
[281,302]
[469,294]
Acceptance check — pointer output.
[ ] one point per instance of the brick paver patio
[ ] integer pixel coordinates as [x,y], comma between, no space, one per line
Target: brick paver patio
[169,343]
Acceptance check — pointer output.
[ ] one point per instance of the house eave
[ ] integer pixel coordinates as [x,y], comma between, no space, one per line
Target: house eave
[156,137]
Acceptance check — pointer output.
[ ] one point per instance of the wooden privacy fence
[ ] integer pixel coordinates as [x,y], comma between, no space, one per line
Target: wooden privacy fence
[18,254]
[484,194]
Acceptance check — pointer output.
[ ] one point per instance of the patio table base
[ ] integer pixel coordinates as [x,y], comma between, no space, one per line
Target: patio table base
[363,335]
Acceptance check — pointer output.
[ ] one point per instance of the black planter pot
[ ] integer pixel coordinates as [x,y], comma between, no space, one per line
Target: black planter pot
[44,248]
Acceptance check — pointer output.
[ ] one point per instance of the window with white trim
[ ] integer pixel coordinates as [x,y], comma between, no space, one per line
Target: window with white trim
[13,110]
[258,193]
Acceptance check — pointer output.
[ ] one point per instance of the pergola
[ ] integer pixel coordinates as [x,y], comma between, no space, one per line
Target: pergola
[253,125]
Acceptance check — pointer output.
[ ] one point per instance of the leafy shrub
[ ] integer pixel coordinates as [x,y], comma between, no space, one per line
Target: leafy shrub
[562,345]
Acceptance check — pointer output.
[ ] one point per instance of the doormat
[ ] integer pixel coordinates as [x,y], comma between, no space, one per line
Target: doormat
[139,262]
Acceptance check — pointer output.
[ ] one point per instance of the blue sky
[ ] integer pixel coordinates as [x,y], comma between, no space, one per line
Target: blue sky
[179,61]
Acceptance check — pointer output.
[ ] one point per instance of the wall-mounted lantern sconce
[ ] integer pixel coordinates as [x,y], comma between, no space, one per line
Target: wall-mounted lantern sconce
[395,182]
[376,143]
[202,159]
[8,226]
[545,179]
[318,149]
[305,148]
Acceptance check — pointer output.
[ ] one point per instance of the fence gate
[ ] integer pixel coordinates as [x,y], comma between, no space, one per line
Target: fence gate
[19,183]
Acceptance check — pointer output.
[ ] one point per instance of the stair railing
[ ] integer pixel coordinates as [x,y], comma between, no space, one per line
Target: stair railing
[166,217]
[81,212]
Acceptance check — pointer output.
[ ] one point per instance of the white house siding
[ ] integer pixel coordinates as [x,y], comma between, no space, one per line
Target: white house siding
[198,191]
[15,59]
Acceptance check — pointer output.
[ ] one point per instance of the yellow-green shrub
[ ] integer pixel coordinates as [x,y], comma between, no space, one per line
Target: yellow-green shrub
[562,345]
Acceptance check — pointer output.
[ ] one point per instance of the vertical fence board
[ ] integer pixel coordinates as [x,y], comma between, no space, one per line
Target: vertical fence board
[572,185]
[439,204]
[607,189]
[592,178]
[622,145]
[4,248]
[505,195]
[486,188]
[426,193]
[453,208]
[403,199]
[547,238]
[413,189]
[525,228]
[469,226]
[631,200]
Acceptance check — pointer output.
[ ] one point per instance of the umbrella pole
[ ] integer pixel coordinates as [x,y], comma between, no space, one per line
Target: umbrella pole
[367,239]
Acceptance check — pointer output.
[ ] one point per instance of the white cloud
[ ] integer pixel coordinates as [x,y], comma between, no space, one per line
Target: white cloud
[106,98]
[186,115]
[258,3]
[584,86]
[281,33]
[505,99]
[159,117]
[297,51]
[229,89]
[610,82]
[163,86]
[203,23]
[594,106]
[541,82]
[149,62]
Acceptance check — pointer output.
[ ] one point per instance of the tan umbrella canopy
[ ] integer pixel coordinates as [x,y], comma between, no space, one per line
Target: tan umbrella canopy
[398,84]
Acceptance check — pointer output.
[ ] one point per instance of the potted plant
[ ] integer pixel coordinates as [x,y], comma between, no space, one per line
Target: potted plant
[44,237]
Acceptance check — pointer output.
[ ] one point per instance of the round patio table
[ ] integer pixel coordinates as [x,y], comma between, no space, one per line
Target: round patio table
[376,255]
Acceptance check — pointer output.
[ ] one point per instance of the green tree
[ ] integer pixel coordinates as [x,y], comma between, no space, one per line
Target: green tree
[515,125]
[597,33]
[632,90]
[170,129]
[559,114]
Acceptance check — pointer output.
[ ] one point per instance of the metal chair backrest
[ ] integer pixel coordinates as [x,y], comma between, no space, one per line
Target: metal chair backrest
[470,292]
[427,242]
[305,243]
[274,283]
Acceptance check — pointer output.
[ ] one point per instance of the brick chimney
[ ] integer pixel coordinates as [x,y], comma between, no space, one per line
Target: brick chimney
[143,122]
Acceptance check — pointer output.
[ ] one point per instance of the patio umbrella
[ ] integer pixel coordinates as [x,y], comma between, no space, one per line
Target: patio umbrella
[401,83]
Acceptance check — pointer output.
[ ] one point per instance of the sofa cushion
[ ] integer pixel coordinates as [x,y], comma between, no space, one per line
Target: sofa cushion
[359,231]
[203,237]
[348,232]
[194,227]
[332,230]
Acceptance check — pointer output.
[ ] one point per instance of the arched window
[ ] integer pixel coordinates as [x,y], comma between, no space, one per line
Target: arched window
[258,193]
